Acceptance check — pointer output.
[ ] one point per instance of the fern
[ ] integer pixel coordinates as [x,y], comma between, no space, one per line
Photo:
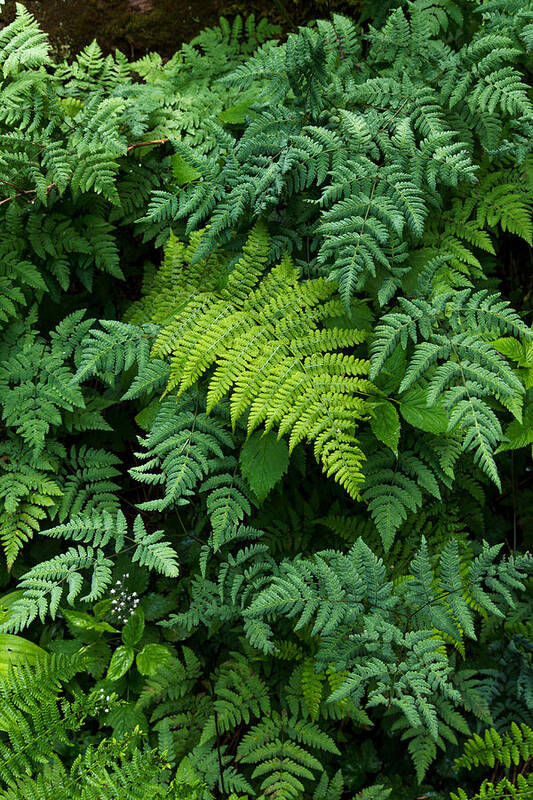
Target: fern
[492,750]
[348,602]
[279,747]
[368,168]
[265,506]
[274,371]
[39,723]
[471,369]
[181,449]
[240,696]
[45,584]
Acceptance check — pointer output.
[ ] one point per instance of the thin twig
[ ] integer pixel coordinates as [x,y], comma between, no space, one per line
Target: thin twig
[14,185]
[146,144]
[24,192]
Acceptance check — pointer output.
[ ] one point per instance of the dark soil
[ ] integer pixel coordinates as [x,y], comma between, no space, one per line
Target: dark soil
[138,26]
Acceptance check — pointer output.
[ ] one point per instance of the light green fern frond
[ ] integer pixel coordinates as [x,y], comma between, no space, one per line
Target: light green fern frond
[510,752]
[275,357]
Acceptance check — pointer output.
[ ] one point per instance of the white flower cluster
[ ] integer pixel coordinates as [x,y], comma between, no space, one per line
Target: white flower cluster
[124,602]
[102,701]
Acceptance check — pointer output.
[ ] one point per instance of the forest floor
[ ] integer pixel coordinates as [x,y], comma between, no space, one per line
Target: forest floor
[138,26]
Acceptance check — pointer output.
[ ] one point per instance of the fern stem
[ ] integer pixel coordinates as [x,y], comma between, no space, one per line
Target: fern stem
[513,479]
[219,754]
[286,14]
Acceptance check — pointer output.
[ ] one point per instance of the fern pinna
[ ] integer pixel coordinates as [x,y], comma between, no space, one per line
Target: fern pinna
[266,411]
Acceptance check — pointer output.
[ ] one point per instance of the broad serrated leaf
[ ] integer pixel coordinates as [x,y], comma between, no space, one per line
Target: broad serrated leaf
[86,622]
[151,657]
[414,409]
[121,661]
[264,460]
[134,628]
[183,172]
[385,424]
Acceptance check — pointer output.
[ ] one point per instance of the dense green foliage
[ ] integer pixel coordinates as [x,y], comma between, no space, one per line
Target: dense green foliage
[266,399]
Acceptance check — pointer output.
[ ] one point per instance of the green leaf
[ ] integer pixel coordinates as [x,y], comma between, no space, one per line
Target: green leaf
[392,372]
[514,405]
[124,718]
[186,775]
[71,105]
[121,661]
[236,115]
[358,317]
[16,650]
[264,460]
[518,434]
[146,416]
[527,378]
[151,657]
[385,424]
[86,622]
[102,608]
[134,628]
[183,172]
[509,347]
[415,411]
[377,792]
[6,602]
